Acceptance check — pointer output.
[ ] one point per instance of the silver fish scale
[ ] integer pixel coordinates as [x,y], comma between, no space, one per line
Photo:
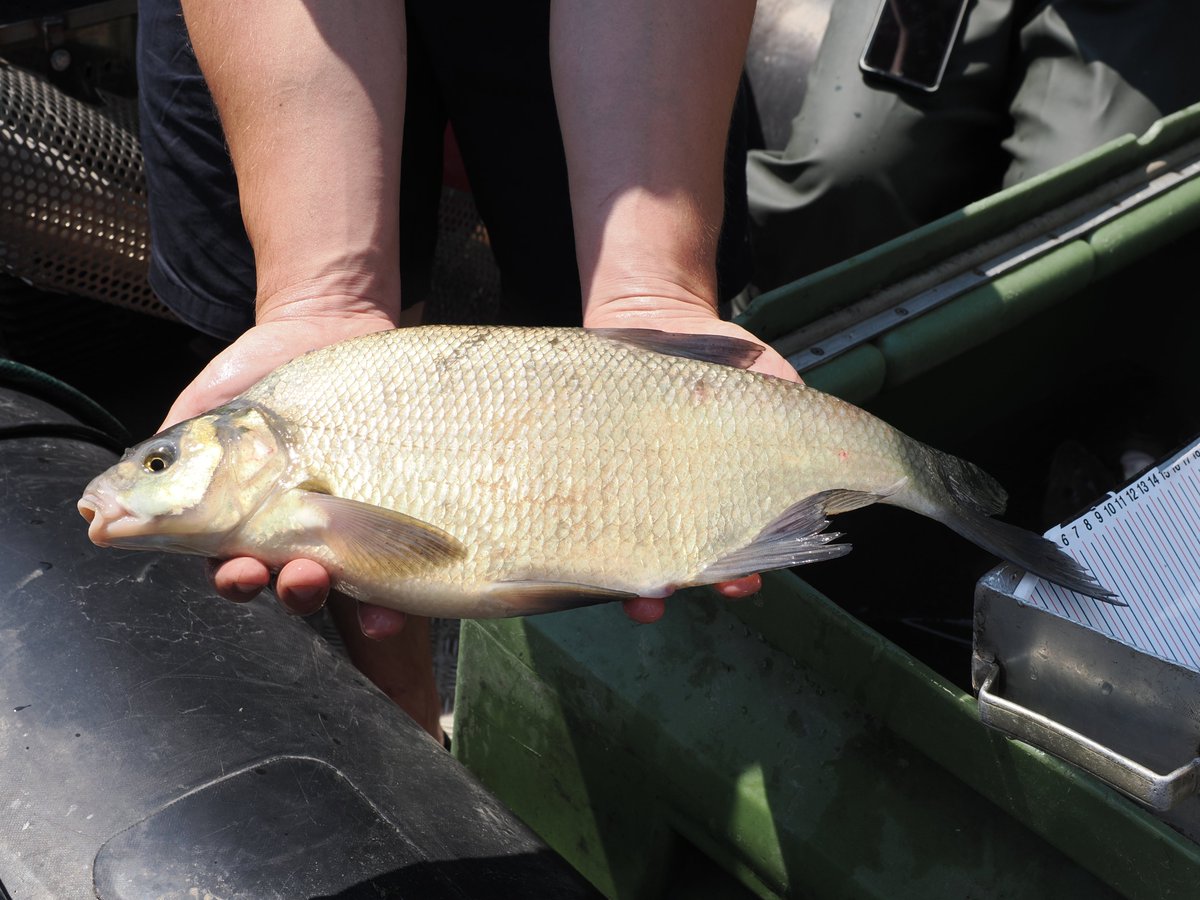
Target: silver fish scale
[557,455]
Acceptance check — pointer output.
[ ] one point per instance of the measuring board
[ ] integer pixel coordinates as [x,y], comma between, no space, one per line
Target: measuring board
[1142,543]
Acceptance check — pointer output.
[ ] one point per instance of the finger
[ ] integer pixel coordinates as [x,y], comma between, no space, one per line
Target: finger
[240,579]
[379,622]
[771,363]
[196,398]
[302,586]
[644,610]
[227,374]
[741,587]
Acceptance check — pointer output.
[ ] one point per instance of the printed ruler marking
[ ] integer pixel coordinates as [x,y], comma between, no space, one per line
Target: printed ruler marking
[1143,542]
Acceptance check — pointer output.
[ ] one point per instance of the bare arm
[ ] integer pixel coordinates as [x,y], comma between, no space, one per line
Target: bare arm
[311,99]
[645,92]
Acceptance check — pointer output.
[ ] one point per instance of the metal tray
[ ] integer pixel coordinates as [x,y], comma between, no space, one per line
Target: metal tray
[1128,718]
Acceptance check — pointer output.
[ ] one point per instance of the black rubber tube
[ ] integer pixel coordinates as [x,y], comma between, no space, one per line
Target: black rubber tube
[99,425]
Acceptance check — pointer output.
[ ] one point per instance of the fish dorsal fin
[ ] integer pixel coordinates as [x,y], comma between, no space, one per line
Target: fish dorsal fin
[793,539]
[361,534]
[530,597]
[713,348]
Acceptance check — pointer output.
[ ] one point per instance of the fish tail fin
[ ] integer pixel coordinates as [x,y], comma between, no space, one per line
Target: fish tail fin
[969,497]
[967,484]
[1030,551]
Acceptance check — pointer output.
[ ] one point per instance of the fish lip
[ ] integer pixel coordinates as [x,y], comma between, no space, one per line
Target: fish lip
[108,519]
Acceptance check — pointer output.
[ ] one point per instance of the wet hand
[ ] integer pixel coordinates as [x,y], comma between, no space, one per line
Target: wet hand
[647,610]
[684,316]
[302,585]
[260,351]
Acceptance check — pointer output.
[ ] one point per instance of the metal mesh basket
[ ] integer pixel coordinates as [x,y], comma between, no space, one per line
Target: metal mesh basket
[73,208]
[73,220]
[72,195]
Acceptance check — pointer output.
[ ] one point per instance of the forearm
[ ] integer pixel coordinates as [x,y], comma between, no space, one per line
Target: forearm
[311,99]
[645,92]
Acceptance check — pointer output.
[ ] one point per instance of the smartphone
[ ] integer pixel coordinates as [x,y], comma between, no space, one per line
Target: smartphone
[911,41]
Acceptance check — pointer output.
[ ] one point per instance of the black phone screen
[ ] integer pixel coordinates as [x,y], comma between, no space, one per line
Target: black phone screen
[912,40]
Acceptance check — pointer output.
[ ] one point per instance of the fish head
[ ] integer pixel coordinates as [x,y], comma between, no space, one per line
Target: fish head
[188,487]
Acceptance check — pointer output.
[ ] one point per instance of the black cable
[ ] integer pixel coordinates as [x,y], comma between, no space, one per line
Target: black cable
[69,430]
[48,388]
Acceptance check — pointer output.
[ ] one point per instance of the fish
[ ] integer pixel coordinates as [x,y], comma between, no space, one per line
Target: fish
[485,471]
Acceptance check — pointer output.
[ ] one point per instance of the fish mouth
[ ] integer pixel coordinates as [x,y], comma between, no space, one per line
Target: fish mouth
[109,520]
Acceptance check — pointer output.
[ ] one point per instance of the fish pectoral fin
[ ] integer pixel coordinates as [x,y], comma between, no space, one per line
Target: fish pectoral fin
[359,533]
[713,348]
[530,597]
[795,538]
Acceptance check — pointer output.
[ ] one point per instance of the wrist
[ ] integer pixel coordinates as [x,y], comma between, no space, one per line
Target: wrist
[639,298]
[640,242]
[634,294]
[351,293]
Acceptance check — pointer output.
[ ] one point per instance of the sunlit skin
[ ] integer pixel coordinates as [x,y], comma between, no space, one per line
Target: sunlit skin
[326,242]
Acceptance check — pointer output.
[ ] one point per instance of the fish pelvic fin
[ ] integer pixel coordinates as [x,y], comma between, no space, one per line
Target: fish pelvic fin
[796,537]
[713,348]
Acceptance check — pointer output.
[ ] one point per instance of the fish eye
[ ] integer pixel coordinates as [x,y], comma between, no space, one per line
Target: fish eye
[158,458]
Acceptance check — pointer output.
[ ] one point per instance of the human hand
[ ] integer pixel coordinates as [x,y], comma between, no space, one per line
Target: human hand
[269,344]
[320,213]
[302,585]
[682,313]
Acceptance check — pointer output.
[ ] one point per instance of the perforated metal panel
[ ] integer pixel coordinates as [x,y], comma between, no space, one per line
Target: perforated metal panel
[465,283]
[72,195]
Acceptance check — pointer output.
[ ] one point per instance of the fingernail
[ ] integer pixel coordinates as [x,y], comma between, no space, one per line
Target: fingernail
[245,591]
[304,600]
[378,624]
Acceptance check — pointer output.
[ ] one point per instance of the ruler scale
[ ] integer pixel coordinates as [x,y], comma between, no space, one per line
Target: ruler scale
[1143,543]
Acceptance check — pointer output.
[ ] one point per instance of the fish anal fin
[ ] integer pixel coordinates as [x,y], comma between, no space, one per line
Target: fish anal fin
[714,348]
[795,538]
[360,535]
[840,501]
[530,597]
